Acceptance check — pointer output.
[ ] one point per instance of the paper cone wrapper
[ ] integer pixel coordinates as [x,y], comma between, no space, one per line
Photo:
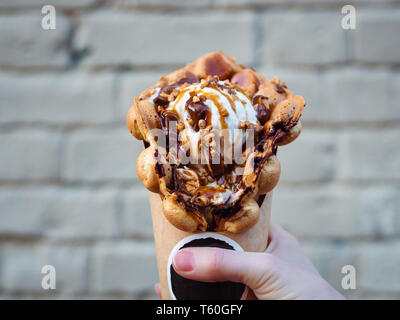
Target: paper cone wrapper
[168,239]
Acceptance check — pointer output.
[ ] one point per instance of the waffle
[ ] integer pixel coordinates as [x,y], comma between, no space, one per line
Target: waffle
[185,109]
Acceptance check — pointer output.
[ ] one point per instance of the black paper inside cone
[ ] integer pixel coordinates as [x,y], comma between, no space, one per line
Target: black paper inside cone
[186,289]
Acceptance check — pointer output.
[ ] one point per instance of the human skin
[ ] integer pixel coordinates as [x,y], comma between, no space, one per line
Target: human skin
[282,272]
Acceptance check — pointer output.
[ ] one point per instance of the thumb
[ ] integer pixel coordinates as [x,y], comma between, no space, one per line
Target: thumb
[215,264]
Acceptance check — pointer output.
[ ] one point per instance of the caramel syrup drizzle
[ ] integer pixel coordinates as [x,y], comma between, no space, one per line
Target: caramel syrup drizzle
[181,94]
[227,97]
[215,99]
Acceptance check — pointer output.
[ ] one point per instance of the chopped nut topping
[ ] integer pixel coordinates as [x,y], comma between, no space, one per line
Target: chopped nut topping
[196,99]
[204,200]
[202,124]
[180,126]
[224,112]
[185,85]
[209,139]
[279,89]
[189,178]
[163,94]
[244,124]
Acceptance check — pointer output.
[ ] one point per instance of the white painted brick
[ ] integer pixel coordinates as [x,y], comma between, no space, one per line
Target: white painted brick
[22,269]
[380,207]
[337,211]
[380,267]
[343,95]
[102,156]
[152,295]
[163,3]
[395,92]
[71,265]
[163,38]
[260,3]
[76,213]
[58,212]
[374,295]
[23,42]
[376,38]
[125,267]
[67,98]
[309,158]
[56,3]
[302,38]
[23,266]
[306,84]
[359,95]
[330,257]
[1,269]
[131,85]
[136,214]
[29,155]
[9,297]
[369,155]
[319,3]
[22,210]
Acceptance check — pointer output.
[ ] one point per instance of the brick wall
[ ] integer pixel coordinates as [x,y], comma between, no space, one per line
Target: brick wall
[69,194]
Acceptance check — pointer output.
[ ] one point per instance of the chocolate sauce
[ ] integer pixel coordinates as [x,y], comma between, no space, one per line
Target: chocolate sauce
[279,89]
[166,117]
[198,111]
[263,114]
[186,289]
[162,100]
[190,78]
[260,200]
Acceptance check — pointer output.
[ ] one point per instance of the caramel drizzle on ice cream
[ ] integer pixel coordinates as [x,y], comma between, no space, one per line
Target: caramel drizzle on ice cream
[220,104]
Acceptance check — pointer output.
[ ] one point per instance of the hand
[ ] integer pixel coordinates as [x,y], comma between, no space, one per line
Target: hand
[281,272]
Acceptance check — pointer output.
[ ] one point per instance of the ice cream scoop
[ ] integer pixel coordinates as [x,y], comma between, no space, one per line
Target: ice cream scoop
[216,105]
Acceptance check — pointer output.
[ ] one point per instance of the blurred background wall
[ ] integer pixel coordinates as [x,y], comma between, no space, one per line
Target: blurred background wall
[69,194]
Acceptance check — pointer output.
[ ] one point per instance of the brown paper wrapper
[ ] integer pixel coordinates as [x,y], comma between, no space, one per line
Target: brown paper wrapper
[166,236]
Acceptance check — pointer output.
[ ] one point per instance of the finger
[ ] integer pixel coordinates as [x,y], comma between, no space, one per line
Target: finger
[215,264]
[286,247]
[268,276]
[157,288]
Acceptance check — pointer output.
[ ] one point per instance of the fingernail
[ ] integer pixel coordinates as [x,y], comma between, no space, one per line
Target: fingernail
[184,260]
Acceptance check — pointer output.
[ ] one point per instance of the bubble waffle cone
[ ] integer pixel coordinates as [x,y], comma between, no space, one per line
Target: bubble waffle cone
[207,102]
[211,132]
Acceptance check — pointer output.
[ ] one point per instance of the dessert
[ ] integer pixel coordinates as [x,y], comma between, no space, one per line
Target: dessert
[211,132]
